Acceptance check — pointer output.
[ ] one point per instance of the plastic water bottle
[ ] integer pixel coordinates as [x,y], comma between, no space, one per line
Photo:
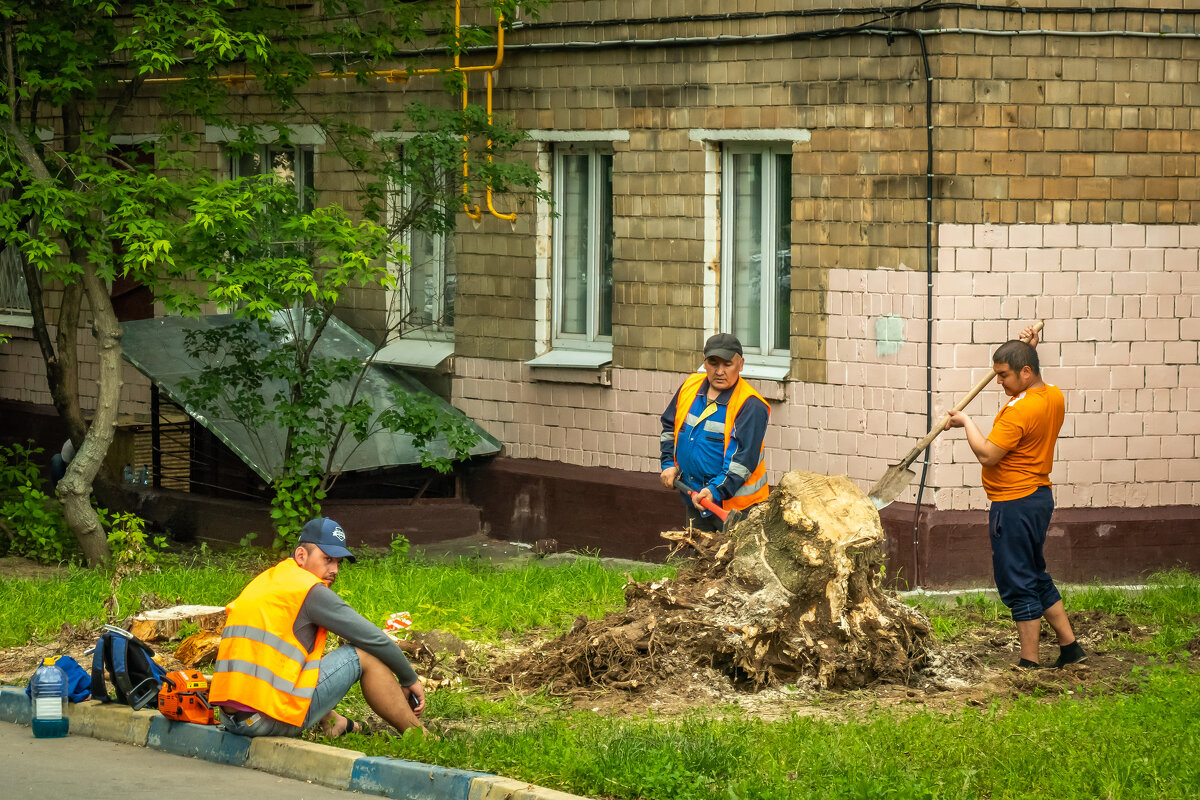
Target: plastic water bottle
[48,690]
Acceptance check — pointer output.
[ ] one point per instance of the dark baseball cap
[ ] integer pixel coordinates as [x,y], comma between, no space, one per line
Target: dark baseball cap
[327,535]
[723,345]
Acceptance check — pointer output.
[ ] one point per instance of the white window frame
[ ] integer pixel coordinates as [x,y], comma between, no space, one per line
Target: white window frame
[438,330]
[769,354]
[591,339]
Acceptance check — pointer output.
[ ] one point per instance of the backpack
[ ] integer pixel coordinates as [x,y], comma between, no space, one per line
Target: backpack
[130,664]
[79,683]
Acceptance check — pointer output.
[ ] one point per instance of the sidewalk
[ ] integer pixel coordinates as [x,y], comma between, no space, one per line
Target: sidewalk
[312,763]
[99,770]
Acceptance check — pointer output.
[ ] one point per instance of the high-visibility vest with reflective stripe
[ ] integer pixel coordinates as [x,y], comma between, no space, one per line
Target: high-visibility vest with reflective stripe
[260,663]
[755,489]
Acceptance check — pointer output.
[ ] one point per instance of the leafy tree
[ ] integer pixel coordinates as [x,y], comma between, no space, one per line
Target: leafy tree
[284,269]
[82,211]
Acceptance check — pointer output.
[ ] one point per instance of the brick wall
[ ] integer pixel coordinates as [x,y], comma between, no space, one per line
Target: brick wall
[1121,341]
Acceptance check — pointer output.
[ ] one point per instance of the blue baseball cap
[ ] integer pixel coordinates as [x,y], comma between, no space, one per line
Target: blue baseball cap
[327,535]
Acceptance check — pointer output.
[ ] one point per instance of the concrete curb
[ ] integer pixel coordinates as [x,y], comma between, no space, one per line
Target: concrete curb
[288,758]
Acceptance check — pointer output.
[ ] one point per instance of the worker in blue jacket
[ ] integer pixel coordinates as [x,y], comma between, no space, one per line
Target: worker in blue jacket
[712,436]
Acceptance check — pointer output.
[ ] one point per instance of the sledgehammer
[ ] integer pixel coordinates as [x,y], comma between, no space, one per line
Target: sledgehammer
[728,518]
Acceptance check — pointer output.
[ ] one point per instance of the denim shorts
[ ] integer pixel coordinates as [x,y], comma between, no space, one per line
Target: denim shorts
[1018,532]
[340,670]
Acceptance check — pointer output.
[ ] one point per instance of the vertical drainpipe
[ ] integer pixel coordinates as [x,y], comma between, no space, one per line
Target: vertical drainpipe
[928,298]
[929,289]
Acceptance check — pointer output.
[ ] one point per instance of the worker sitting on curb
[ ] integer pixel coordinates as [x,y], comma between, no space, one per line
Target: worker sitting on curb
[272,676]
[712,436]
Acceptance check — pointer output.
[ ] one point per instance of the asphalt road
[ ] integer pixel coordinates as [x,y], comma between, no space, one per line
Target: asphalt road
[80,766]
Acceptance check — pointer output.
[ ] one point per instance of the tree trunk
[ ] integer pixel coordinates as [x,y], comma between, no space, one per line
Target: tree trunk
[75,489]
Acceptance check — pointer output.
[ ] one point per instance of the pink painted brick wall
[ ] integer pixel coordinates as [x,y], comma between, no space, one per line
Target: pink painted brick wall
[1121,341]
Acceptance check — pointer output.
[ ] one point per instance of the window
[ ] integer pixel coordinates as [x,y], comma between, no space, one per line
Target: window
[583,247]
[756,247]
[428,283]
[291,163]
[14,299]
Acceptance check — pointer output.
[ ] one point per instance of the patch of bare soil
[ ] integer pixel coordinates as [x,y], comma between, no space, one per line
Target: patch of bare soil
[971,671]
[17,567]
[18,663]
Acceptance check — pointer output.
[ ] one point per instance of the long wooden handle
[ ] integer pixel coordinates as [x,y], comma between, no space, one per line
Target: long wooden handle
[941,424]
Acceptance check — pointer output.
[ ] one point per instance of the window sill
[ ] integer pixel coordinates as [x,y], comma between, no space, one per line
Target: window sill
[424,354]
[16,320]
[768,377]
[561,365]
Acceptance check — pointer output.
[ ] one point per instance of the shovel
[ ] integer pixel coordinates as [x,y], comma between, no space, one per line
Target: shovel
[728,518]
[899,476]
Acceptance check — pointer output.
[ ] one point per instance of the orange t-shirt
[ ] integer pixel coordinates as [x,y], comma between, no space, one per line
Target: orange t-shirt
[1027,427]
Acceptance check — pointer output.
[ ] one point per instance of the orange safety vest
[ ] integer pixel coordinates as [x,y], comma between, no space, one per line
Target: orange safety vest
[260,663]
[755,489]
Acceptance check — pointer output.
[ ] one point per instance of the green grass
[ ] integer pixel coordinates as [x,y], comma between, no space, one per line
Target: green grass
[1139,743]
[1132,746]
[1170,606]
[471,598]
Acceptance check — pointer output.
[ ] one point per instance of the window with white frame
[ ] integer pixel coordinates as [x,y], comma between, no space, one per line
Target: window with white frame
[291,163]
[756,246]
[428,282]
[582,246]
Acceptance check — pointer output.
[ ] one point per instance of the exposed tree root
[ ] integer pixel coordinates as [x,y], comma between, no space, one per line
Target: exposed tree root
[791,596]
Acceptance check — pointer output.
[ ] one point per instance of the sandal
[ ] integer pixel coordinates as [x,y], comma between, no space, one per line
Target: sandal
[353,726]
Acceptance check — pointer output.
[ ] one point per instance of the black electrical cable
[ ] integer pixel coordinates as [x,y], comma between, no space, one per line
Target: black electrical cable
[887,11]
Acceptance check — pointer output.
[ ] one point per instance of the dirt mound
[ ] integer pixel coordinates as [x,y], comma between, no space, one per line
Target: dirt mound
[791,596]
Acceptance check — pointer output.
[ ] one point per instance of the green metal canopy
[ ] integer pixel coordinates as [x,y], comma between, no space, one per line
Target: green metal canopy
[156,347]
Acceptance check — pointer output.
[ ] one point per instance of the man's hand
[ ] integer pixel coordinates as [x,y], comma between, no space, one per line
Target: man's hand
[986,451]
[1030,335]
[703,494]
[416,692]
[667,476]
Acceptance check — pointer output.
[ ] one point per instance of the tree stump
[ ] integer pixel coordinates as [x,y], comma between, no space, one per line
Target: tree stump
[161,624]
[199,649]
[792,595]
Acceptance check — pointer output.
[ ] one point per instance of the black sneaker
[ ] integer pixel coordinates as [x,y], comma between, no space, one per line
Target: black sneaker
[1025,663]
[1069,654]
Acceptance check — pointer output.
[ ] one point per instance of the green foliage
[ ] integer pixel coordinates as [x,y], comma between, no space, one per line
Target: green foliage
[1138,741]
[78,207]
[127,541]
[398,547]
[39,530]
[33,520]
[18,468]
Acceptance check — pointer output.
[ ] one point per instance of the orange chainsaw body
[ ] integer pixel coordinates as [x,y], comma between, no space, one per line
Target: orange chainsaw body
[184,697]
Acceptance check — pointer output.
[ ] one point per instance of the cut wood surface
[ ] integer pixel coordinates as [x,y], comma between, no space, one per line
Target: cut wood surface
[199,649]
[159,625]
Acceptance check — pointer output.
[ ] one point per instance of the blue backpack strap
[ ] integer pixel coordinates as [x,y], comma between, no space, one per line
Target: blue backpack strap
[147,672]
[120,668]
[99,689]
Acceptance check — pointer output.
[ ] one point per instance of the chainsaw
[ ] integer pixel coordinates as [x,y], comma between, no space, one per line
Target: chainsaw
[184,697]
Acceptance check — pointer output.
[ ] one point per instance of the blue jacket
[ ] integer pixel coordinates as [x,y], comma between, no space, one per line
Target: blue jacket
[700,450]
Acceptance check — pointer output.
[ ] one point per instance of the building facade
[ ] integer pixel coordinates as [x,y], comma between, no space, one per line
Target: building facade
[872,200]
